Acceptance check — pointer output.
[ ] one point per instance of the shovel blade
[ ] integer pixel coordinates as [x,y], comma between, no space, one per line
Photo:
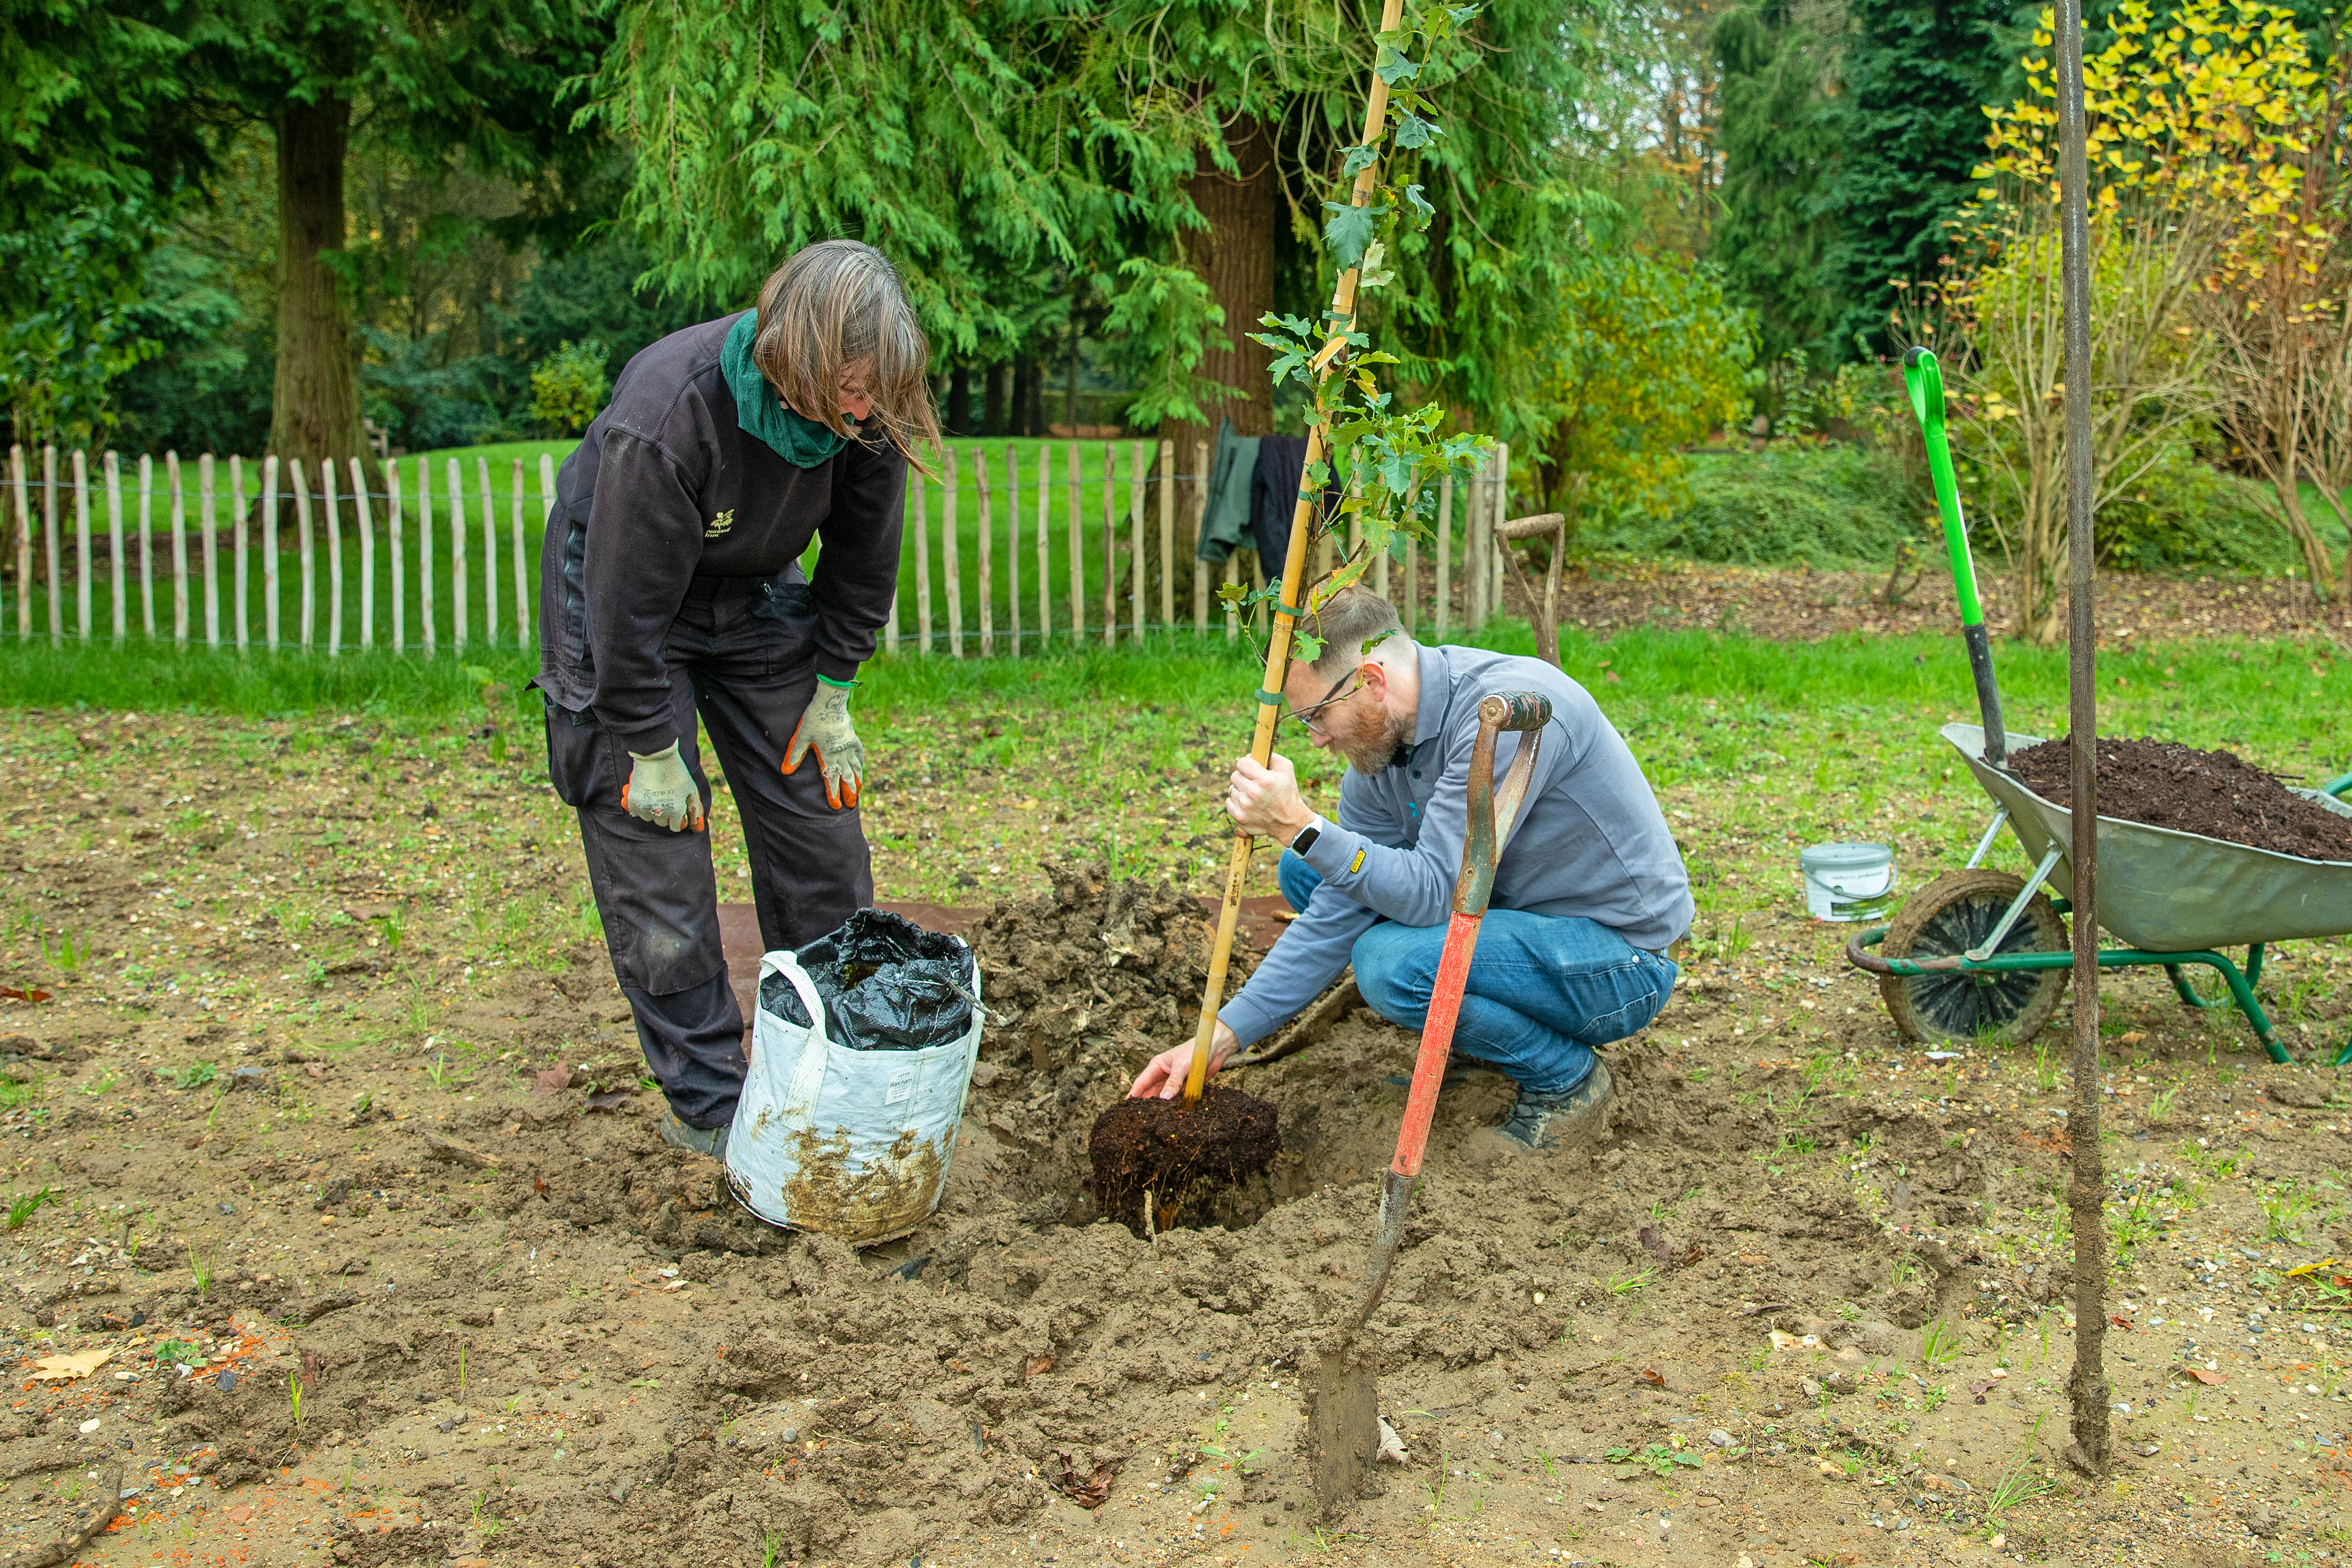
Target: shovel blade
[1343,1422]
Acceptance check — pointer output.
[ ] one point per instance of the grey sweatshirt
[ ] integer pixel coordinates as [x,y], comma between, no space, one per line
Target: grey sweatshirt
[1589,841]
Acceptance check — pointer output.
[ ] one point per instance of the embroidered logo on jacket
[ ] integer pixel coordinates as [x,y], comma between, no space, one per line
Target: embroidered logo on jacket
[720,524]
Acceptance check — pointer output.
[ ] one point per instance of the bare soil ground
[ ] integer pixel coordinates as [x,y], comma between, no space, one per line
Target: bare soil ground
[333,1092]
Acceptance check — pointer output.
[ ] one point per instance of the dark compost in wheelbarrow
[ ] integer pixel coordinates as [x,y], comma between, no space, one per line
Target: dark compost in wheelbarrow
[2216,794]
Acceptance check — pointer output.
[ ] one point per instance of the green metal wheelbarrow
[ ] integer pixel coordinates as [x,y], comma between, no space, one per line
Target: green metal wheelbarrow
[1978,955]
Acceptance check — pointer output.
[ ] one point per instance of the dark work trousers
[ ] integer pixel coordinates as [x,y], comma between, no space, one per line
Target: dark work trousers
[739,654]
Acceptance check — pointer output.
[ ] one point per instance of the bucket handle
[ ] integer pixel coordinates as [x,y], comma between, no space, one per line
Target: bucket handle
[799,1097]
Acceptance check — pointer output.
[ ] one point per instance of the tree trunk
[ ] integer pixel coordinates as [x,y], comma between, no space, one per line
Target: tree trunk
[315,404]
[1070,394]
[1235,256]
[959,415]
[993,420]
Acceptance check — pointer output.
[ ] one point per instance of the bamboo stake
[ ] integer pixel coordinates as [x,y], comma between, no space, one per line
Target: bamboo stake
[82,543]
[394,545]
[987,608]
[1012,542]
[1412,585]
[1199,527]
[240,554]
[490,554]
[307,549]
[205,496]
[425,551]
[327,489]
[1233,613]
[16,478]
[49,545]
[922,565]
[367,554]
[1168,537]
[1138,469]
[179,549]
[1045,537]
[269,542]
[1293,596]
[116,565]
[1110,543]
[950,570]
[456,557]
[521,562]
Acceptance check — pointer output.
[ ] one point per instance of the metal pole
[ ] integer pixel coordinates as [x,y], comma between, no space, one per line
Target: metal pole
[2087,1385]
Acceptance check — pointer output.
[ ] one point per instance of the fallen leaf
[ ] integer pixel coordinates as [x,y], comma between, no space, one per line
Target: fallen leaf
[1095,1489]
[2123,1323]
[2131,1037]
[610,1099]
[14,994]
[552,1080]
[1036,1366]
[1666,1252]
[538,1185]
[1652,1376]
[67,1368]
[2210,1379]
[2303,1269]
[677,1283]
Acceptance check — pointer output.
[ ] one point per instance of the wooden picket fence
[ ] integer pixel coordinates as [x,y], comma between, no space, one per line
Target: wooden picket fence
[1006,552]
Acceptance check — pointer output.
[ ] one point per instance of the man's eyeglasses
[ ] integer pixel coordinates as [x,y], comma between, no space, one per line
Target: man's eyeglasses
[1311,716]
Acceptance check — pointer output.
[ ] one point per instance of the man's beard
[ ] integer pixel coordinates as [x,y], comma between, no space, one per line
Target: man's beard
[1378,745]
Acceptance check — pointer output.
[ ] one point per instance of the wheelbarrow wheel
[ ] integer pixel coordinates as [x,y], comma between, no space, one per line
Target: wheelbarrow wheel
[1950,915]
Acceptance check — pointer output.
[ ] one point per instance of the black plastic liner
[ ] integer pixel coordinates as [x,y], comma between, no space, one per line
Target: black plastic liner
[886,985]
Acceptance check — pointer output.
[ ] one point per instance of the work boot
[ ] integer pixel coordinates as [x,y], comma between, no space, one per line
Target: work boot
[1553,1120]
[710,1140]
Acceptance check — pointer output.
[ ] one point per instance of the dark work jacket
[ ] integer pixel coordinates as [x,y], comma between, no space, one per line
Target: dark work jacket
[667,488]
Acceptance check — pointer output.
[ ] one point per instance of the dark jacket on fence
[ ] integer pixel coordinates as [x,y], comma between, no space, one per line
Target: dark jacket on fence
[666,490]
[1275,479]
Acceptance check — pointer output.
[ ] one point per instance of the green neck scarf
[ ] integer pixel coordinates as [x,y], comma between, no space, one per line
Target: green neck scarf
[798,440]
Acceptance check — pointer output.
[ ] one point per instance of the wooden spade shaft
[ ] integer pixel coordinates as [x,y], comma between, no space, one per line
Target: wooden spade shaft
[1290,601]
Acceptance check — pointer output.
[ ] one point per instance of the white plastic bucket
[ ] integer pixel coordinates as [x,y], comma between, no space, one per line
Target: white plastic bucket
[1847,881]
[848,1143]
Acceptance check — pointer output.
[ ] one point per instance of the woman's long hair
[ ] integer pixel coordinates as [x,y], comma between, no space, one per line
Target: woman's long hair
[833,304]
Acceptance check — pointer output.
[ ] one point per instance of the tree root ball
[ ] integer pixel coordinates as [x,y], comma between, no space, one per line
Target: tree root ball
[1166,1148]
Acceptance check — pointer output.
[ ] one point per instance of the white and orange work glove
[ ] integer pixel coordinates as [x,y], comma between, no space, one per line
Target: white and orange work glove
[661,791]
[824,727]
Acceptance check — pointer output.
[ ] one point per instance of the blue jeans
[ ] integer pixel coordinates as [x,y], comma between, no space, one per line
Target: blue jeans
[1543,990]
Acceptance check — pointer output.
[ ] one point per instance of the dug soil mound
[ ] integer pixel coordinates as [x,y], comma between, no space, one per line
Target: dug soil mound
[2217,794]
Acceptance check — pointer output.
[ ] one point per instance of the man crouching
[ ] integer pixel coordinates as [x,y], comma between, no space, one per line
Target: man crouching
[1589,891]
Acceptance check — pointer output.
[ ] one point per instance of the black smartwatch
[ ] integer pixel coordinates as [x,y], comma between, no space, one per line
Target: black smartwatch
[1306,840]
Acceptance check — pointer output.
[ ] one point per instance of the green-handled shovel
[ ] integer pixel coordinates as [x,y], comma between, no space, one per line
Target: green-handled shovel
[1923,378]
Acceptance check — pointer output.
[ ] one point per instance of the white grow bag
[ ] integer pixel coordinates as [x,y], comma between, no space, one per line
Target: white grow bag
[845,1142]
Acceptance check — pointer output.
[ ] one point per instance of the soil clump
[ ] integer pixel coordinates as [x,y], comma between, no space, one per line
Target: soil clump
[2216,794]
[1158,1148]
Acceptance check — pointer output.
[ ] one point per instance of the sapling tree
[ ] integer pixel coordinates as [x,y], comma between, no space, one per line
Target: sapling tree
[1386,456]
